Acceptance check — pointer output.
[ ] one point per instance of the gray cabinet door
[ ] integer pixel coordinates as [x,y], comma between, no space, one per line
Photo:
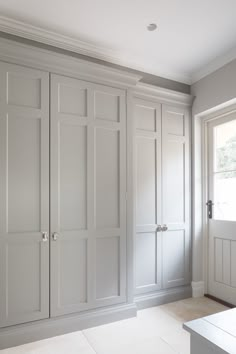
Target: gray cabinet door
[24,195]
[176,196]
[147,121]
[88,188]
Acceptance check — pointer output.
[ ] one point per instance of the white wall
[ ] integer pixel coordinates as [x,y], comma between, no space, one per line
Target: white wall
[213,90]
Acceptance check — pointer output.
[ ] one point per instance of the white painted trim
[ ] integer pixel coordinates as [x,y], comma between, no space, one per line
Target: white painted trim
[214,65]
[162,297]
[200,230]
[27,55]
[38,330]
[198,288]
[28,31]
[162,95]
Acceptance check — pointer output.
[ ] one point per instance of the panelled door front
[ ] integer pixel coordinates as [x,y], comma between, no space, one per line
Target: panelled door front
[176,196]
[88,188]
[162,243]
[148,257]
[222,207]
[24,195]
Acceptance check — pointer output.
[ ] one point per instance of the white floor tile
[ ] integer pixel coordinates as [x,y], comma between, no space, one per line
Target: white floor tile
[156,330]
[73,343]
[129,345]
[179,340]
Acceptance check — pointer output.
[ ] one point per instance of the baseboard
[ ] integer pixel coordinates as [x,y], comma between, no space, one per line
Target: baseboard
[163,296]
[198,288]
[38,330]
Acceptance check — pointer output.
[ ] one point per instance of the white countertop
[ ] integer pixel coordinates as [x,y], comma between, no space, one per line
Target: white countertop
[219,329]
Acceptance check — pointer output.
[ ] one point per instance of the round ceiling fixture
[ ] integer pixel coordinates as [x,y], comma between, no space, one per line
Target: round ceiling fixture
[152,27]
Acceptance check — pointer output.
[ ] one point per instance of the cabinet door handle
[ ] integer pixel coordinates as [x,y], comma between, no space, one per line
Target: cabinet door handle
[44,236]
[55,236]
[159,228]
[164,227]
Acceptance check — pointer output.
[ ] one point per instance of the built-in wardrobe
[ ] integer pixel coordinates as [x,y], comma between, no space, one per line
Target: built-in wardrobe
[162,198]
[94,194]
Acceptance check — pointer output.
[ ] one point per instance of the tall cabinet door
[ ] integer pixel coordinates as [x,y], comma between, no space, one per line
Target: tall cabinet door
[88,261]
[24,195]
[147,120]
[176,194]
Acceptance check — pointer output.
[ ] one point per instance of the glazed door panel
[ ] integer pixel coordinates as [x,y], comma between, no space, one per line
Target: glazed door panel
[221,188]
[88,188]
[176,196]
[147,116]
[24,195]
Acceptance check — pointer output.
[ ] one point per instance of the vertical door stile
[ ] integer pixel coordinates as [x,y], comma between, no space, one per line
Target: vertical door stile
[24,189]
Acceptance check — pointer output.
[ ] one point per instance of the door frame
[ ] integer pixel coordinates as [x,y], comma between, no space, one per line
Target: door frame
[200,193]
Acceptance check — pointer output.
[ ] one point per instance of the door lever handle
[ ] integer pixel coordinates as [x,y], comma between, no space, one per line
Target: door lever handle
[159,228]
[55,236]
[44,236]
[209,205]
[164,227]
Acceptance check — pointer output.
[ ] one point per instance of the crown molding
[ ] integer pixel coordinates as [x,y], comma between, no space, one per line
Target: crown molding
[142,90]
[47,60]
[214,65]
[38,34]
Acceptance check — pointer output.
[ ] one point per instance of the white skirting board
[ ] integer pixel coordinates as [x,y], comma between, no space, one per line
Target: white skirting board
[198,288]
[163,296]
[38,330]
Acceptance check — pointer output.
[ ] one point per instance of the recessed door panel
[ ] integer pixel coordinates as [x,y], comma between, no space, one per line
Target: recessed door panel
[107,106]
[24,89]
[24,190]
[73,176]
[20,254]
[149,123]
[107,187]
[146,259]
[24,156]
[107,267]
[146,181]
[174,258]
[174,183]
[73,271]
[72,99]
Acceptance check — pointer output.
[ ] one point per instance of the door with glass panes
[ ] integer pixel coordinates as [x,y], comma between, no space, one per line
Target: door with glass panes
[221,207]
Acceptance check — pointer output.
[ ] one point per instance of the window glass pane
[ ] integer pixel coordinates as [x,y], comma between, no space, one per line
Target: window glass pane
[225,196]
[225,147]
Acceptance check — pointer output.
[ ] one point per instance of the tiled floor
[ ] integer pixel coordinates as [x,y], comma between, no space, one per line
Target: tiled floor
[157,330]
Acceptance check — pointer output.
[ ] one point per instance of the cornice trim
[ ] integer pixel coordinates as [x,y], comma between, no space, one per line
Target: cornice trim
[27,55]
[28,31]
[155,93]
[47,60]
[214,65]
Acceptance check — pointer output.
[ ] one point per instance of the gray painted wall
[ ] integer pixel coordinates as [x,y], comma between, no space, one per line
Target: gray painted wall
[147,78]
[211,91]
[214,89]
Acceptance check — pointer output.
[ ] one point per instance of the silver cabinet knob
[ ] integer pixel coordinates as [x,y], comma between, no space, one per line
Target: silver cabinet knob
[164,227]
[159,228]
[44,236]
[55,236]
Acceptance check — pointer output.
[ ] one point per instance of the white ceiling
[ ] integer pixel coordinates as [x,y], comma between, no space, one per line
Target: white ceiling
[194,37]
